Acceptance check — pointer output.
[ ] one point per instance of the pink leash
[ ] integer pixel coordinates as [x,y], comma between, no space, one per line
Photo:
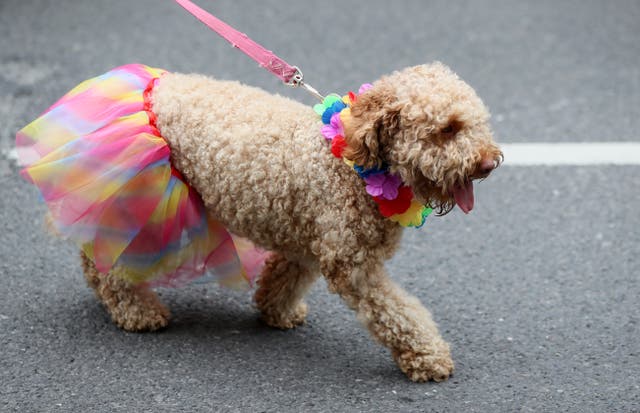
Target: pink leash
[291,75]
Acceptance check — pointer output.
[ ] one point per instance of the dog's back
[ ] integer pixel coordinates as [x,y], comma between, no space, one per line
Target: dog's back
[258,160]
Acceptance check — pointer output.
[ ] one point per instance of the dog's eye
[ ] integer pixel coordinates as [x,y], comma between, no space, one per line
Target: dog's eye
[450,130]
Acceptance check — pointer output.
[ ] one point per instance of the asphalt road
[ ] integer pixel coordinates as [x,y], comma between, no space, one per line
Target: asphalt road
[536,290]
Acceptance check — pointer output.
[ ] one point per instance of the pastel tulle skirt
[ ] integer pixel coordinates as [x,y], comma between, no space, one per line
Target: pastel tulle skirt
[104,171]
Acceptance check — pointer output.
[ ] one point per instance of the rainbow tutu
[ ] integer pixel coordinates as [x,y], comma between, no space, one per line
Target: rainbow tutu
[104,171]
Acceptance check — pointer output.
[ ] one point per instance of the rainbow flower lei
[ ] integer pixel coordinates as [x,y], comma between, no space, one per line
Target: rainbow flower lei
[395,200]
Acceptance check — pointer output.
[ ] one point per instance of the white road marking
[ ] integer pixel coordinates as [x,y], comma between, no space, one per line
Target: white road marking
[535,154]
[582,153]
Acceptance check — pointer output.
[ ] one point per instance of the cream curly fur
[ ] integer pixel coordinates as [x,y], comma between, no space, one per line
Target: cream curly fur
[264,171]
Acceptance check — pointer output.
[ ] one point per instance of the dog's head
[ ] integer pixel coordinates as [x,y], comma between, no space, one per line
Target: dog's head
[430,128]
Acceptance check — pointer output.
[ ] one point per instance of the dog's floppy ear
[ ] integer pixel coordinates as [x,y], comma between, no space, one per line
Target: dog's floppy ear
[375,119]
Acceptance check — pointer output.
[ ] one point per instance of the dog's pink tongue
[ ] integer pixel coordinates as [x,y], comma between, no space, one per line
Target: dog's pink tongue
[463,194]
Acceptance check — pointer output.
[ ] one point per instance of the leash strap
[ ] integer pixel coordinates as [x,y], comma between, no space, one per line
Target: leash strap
[291,75]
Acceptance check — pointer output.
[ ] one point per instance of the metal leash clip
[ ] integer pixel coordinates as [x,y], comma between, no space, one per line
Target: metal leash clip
[297,79]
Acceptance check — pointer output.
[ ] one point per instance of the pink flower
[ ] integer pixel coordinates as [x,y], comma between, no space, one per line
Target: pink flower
[383,185]
[364,88]
[333,128]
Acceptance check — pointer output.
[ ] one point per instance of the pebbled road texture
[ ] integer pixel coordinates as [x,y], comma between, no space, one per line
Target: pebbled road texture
[536,290]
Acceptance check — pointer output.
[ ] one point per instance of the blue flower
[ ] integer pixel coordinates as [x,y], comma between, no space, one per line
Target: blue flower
[326,116]
[336,107]
[364,173]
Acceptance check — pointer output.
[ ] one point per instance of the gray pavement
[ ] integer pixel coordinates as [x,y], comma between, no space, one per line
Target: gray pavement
[536,290]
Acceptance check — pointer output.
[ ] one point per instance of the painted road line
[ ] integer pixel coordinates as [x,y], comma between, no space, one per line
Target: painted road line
[531,154]
[585,153]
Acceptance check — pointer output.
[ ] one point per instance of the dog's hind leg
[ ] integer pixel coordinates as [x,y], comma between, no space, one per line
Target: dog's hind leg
[395,318]
[131,308]
[281,288]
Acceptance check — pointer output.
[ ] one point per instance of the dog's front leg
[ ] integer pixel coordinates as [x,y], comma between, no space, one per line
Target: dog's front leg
[281,288]
[396,319]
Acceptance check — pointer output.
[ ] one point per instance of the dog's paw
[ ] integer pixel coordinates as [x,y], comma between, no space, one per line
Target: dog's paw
[285,319]
[140,315]
[421,367]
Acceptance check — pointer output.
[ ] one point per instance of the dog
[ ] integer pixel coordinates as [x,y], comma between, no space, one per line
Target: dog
[264,171]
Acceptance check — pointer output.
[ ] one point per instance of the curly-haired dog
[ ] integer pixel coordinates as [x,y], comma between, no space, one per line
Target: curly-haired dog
[264,170]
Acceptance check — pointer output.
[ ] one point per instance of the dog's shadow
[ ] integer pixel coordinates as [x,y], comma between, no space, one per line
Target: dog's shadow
[220,330]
